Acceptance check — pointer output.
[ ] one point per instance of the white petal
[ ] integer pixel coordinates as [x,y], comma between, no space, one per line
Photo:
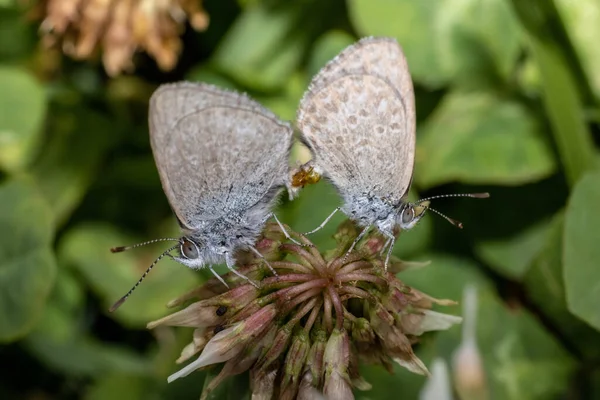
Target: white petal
[217,350]
[414,365]
[438,386]
[435,321]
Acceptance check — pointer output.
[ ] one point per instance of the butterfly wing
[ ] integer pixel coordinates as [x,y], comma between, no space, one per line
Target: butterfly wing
[216,151]
[358,117]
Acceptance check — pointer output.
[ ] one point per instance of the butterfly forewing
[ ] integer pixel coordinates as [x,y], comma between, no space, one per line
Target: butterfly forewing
[217,152]
[358,116]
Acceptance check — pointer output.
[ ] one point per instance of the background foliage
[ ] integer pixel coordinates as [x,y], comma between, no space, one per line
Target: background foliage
[507,100]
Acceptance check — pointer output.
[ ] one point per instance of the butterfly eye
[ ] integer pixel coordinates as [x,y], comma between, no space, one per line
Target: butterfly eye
[189,249]
[408,214]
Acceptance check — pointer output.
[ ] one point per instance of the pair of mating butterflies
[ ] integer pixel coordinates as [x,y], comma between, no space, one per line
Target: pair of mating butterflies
[223,158]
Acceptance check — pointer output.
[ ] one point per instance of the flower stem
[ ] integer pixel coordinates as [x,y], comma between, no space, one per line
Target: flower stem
[339,308]
[313,316]
[357,276]
[357,292]
[292,266]
[306,258]
[287,294]
[275,281]
[327,317]
[353,266]
[301,298]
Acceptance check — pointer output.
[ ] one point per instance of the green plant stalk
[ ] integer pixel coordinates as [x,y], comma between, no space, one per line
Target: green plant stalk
[561,96]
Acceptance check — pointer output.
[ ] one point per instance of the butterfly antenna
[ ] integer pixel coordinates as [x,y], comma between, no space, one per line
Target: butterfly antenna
[453,221]
[122,299]
[125,248]
[473,195]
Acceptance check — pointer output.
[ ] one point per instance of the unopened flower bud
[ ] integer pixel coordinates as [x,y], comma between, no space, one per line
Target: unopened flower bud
[262,383]
[315,357]
[336,359]
[362,331]
[195,315]
[437,386]
[468,367]
[230,342]
[295,359]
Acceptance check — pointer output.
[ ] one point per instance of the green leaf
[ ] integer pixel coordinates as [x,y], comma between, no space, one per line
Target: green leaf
[582,250]
[513,256]
[22,109]
[582,22]
[28,265]
[311,208]
[17,38]
[326,48]
[118,386]
[521,359]
[476,138]
[261,51]
[110,276]
[445,39]
[561,96]
[70,160]
[545,287]
[204,73]
[286,103]
[84,356]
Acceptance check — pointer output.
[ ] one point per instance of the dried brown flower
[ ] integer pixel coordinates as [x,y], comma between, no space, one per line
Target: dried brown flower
[119,28]
[304,331]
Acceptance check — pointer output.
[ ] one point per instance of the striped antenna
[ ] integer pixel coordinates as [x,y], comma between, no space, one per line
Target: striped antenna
[122,299]
[119,249]
[454,222]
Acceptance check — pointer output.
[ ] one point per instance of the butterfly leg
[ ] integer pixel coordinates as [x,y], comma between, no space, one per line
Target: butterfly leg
[287,235]
[385,246]
[231,265]
[391,240]
[318,228]
[218,276]
[360,236]
[263,259]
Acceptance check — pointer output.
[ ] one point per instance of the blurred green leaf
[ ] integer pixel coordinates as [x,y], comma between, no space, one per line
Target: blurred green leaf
[22,109]
[561,96]
[61,320]
[204,73]
[582,250]
[311,208]
[326,48]
[285,104]
[118,386]
[68,163]
[61,341]
[477,138]
[261,51]
[544,285]
[521,359]
[233,388]
[110,276]
[17,38]
[445,39]
[412,23]
[81,356]
[512,257]
[582,22]
[28,265]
